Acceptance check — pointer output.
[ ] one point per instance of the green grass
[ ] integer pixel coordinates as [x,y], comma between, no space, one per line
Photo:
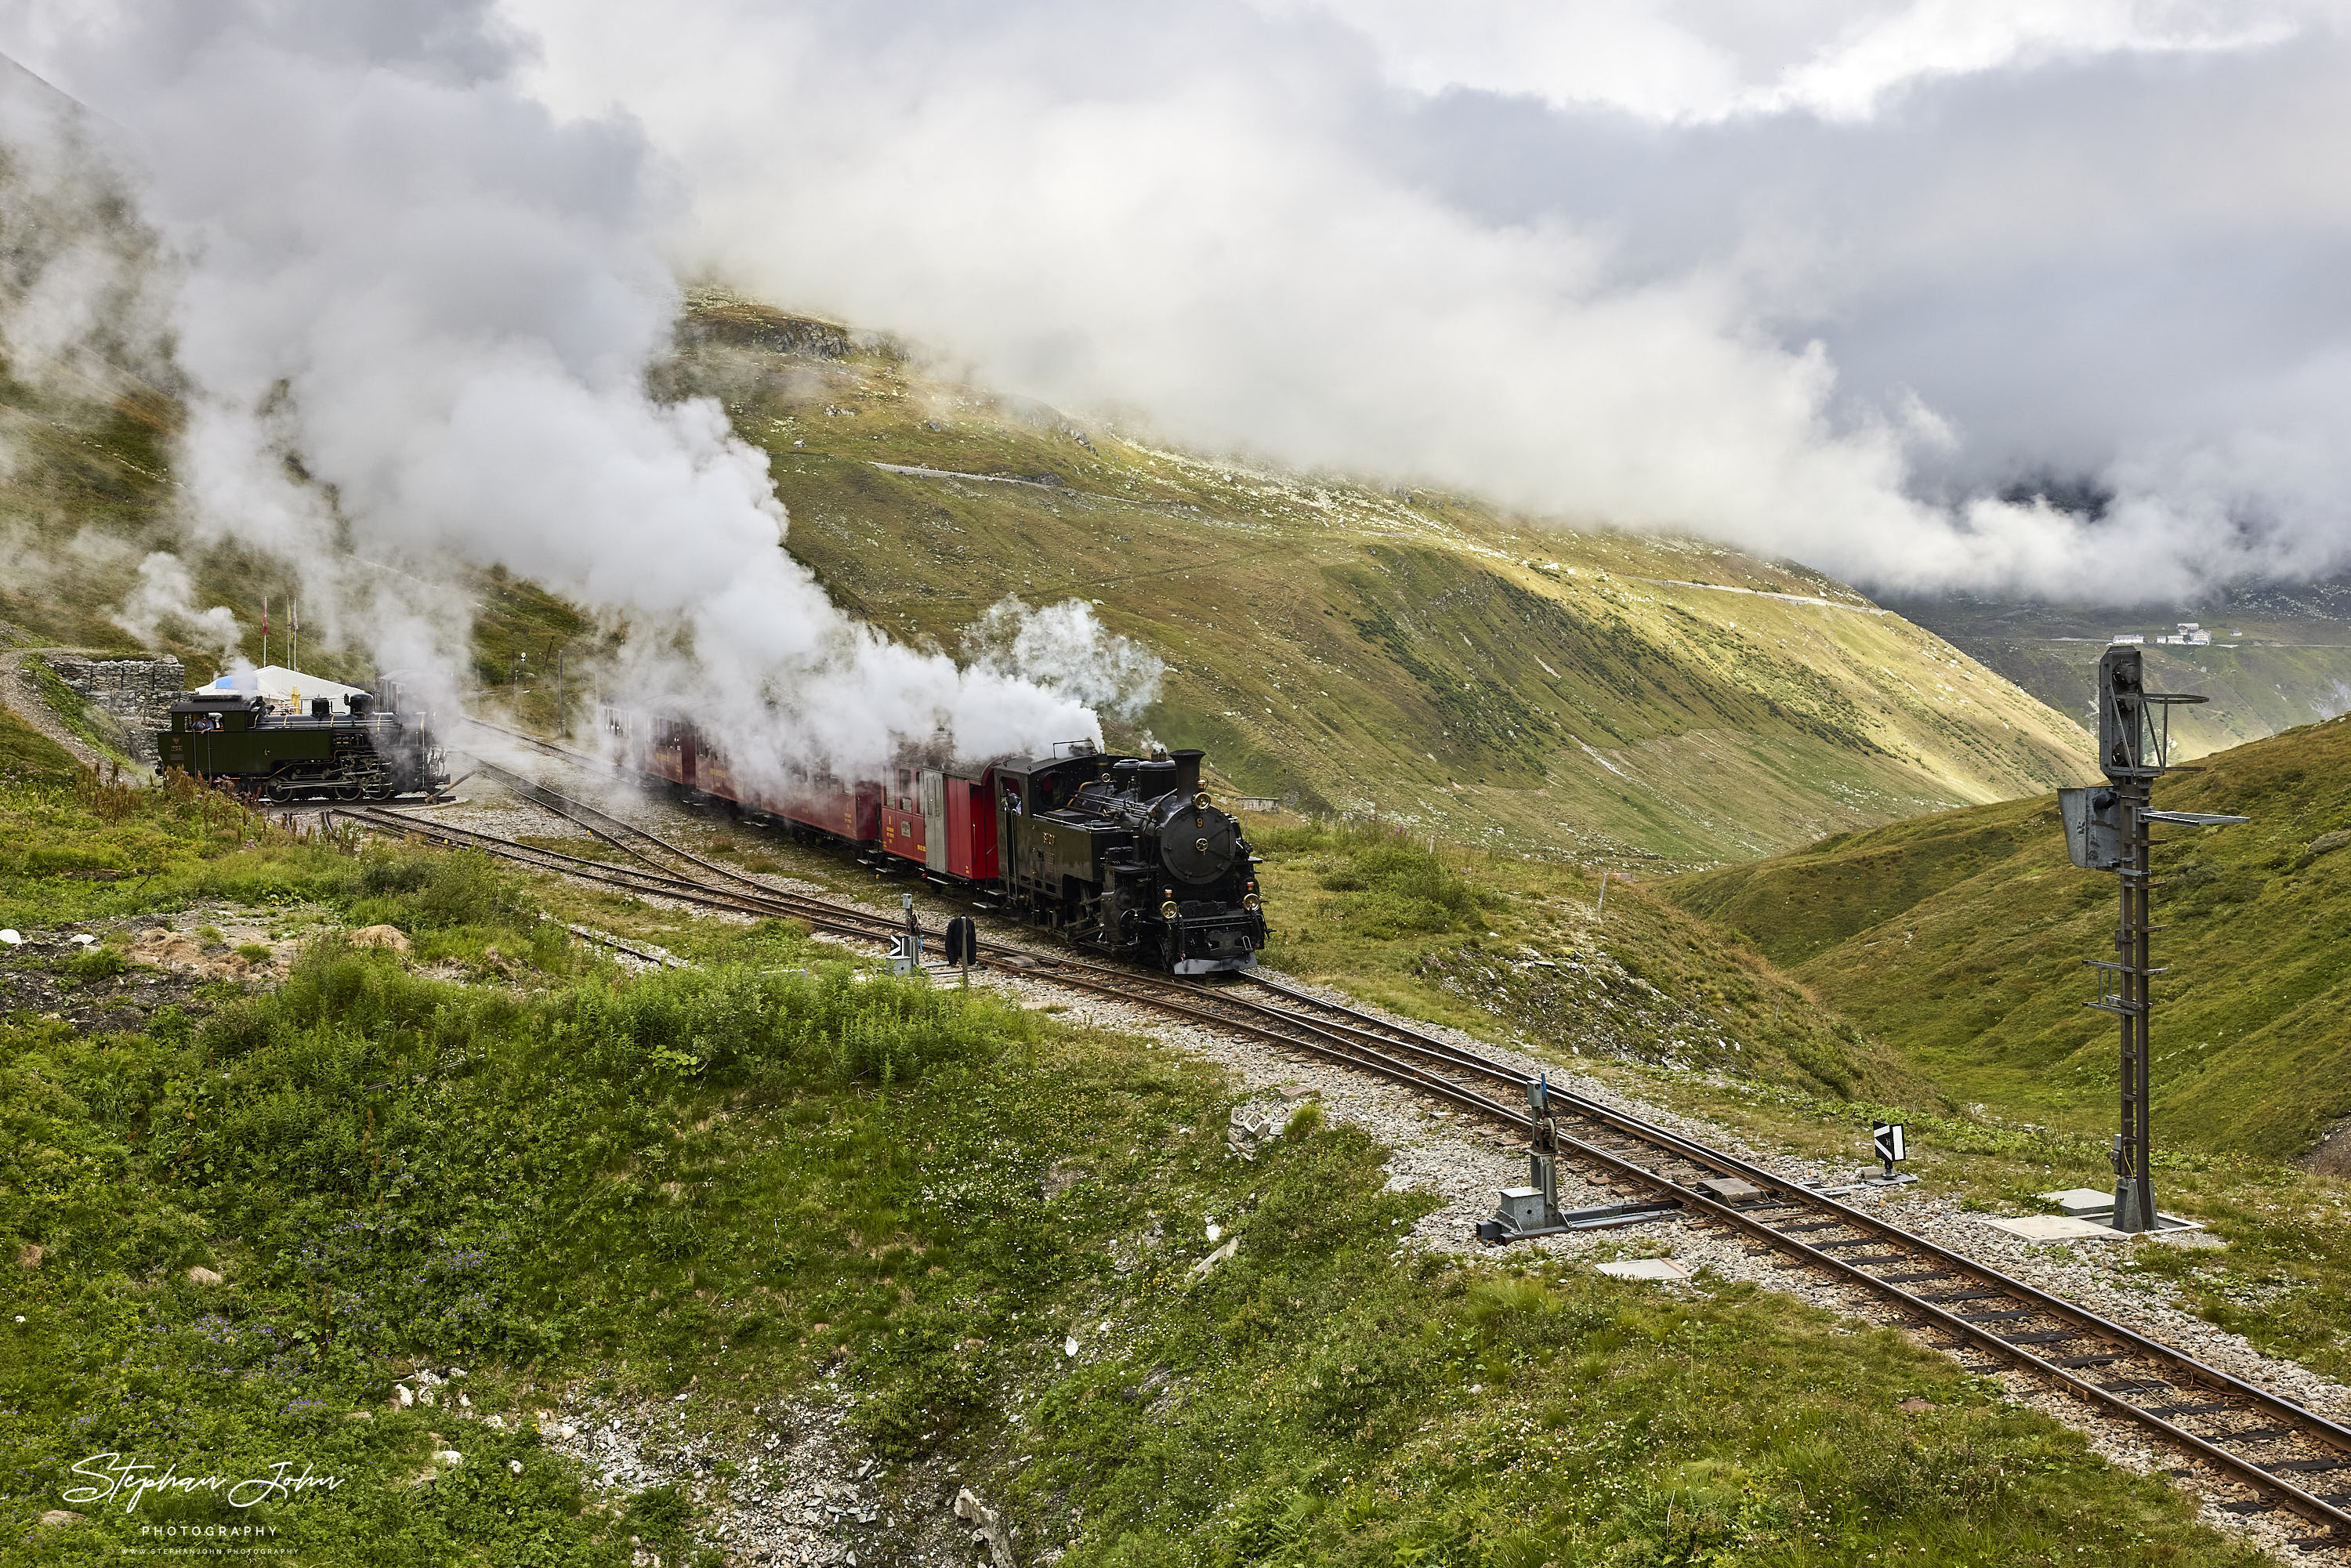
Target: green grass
[718,1182]
[1522,952]
[28,756]
[1958,940]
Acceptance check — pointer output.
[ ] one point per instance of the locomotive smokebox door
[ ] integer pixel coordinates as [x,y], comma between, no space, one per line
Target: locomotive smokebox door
[1198,846]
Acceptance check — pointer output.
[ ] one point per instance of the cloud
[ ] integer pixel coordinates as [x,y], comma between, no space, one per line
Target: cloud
[1828,282]
[1886,286]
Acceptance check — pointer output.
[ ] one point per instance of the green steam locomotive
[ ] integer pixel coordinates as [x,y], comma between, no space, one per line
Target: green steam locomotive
[370,750]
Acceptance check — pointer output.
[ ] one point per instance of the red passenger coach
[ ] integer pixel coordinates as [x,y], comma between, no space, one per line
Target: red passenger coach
[674,750]
[944,821]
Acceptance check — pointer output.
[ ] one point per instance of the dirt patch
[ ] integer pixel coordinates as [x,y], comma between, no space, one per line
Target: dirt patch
[2332,1154]
[178,961]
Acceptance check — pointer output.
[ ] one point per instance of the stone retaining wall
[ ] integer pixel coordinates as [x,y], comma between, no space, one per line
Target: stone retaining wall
[138,693]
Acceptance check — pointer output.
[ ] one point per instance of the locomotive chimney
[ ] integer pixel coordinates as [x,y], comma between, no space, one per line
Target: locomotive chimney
[1188,769]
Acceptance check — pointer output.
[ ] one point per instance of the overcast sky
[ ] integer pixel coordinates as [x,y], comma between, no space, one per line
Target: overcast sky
[1825,278]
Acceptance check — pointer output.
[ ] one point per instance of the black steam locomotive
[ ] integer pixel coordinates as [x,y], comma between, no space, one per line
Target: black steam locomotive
[1129,854]
[369,751]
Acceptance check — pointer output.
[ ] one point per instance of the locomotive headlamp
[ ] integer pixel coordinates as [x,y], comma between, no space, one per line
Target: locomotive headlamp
[1200,802]
[1168,911]
[1249,902]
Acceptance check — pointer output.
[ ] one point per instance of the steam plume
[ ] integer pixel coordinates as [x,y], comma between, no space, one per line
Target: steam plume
[416,311]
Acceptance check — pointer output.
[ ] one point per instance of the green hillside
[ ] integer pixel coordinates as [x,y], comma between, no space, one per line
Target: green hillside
[1341,648]
[1958,939]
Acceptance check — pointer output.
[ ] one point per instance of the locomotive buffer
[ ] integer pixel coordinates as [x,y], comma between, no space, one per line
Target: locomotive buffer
[2106,829]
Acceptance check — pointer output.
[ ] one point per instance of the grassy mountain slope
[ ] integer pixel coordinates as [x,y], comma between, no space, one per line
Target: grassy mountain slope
[1356,649]
[1340,647]
[783,1197]
[1958,939]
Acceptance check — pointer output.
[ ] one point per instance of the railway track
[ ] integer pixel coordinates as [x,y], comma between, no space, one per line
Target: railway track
[2272,1453]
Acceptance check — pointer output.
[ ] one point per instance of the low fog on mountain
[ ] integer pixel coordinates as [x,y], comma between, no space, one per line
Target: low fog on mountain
[1861,287]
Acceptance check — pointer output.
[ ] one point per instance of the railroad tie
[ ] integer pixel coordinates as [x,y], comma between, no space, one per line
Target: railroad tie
[2261,1504]
[2103,1359]
[2000,1317]
[2310,1466]
[2050,1336]
[2130,1386]
[1914,1277]
[1951,1296]
[1841,1242]
[2168,1411]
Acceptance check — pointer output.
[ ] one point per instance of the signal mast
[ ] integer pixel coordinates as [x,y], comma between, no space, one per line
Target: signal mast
[2106,829]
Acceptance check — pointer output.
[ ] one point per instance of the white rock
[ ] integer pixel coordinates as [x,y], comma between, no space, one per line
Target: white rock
[449,1457]
[404,1394]
[202,1276]
[1215,1231]
[12,937]
[1069,1345]
[514,1467]
[1200,1271]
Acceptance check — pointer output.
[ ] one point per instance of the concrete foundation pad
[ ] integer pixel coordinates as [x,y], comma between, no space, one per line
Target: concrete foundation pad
[2051,1228]
[1644,1269]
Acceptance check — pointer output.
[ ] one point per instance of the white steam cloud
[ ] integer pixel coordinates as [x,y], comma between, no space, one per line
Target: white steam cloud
[165,595]
[1066,649]
[416,311]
